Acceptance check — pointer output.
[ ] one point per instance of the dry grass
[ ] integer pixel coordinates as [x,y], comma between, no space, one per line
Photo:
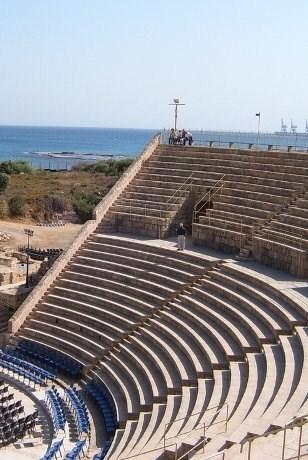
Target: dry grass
[41,184]
[67,183]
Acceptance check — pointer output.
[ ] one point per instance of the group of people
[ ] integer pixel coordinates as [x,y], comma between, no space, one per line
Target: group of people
[180,136]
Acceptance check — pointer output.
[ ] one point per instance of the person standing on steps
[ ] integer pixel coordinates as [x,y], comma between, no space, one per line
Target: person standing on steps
[172,137]
[181,234]
[189,138]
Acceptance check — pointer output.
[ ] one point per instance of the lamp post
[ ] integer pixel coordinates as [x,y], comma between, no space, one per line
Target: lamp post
[29,234]
[258,115]
[176,103]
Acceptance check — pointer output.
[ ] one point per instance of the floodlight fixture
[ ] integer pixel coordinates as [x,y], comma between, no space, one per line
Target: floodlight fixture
[176,103]
[29,234]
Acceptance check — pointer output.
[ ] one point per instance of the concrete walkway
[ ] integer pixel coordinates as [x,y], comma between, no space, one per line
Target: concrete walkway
[281,280]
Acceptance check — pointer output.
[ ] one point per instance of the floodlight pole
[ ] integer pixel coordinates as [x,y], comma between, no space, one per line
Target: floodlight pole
[29,234]
[258,115]
[176,103]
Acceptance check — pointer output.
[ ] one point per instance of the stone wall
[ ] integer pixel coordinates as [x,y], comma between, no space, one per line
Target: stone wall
[134,224]
[219,239]
[89,227]
[282,257]
[125,179]
[12,297]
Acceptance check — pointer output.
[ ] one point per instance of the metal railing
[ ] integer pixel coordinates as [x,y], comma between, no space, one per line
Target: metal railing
[207,197]
[177,443]
[186,186]
[142,454]
[238,145]
[296,422]
[246,141]
[217,410]
[218,456]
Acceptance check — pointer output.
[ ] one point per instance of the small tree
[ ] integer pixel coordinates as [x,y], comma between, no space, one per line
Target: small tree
[15,167]
[58,204]
[83,206]
[4,181]
[51,205]
[17,206]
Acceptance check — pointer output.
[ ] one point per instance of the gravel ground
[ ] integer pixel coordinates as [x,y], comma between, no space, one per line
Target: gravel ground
[50,237]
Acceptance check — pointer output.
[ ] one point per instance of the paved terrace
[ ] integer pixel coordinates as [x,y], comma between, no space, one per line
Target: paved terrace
[280,279]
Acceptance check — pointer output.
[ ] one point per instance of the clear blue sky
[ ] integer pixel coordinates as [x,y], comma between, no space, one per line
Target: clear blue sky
[118,63]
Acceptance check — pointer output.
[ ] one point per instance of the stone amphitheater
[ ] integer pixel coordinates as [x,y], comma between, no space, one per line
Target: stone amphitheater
[129,349]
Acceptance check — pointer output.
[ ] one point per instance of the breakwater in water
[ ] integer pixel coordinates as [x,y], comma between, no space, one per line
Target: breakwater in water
[61,148]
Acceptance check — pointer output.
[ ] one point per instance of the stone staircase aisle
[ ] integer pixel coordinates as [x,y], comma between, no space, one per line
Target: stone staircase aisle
[150,207]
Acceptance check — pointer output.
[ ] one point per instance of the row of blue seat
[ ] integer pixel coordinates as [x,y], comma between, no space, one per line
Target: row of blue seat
[57,394]
[105,405]
[79,409]
[25,374]
[53,450]
[26,356]
[52,358]
[103,452]
[55,406]
[76,451]
[10,356]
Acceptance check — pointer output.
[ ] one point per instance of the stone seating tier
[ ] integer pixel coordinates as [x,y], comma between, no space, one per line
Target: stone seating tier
[221,152]
[173,348]
[175,337]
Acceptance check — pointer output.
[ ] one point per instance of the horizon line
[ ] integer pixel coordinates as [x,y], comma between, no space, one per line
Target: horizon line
[217,130]
[72,126]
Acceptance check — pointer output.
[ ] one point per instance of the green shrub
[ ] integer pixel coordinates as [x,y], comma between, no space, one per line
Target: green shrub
[107,167]
[17,206]
[58,204]
[112,167]
[4,181]
[53,204]
[122,165]
[83,205]
[15,167]
[101,167]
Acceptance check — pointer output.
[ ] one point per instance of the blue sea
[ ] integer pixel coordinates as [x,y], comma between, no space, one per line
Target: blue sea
[53,148]
[60,148]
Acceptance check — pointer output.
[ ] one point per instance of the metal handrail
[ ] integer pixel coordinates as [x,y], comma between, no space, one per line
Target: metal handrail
[153,450]
[218,454]
[177,190]
[181,186]
[210,193]
[215,185]
[205,139]
[298,421]
[193,415]
[195,448]
[223,453]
